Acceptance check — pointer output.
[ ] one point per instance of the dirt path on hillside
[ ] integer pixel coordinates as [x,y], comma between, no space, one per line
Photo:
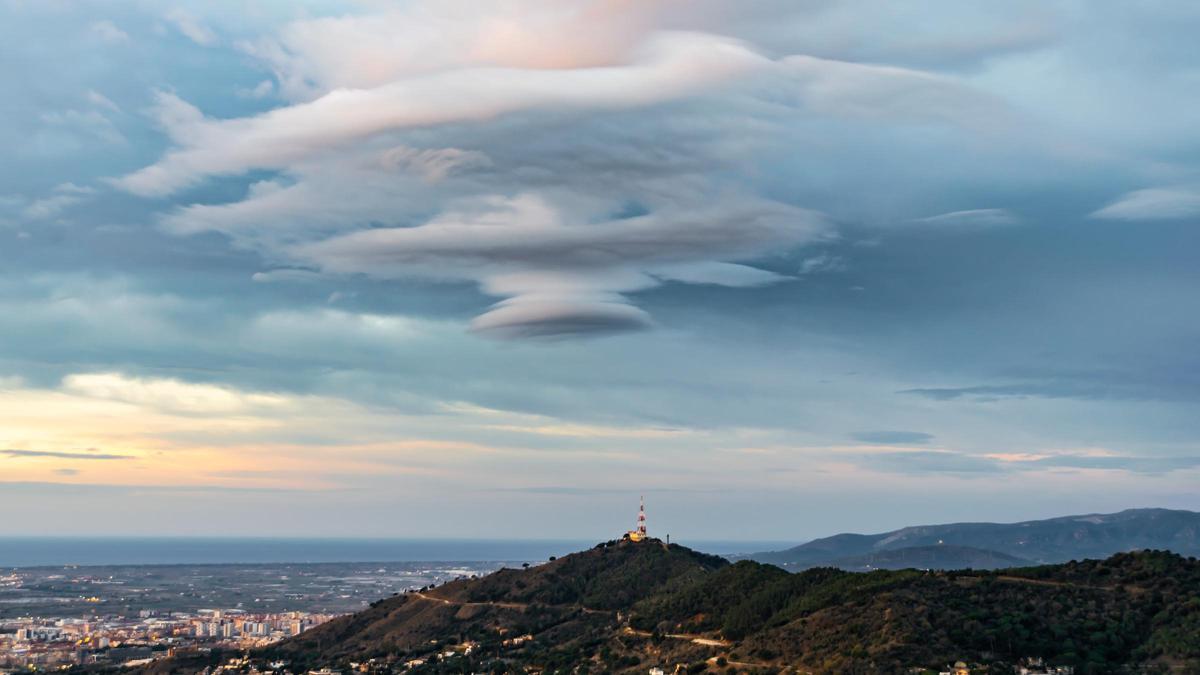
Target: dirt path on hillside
[1053,584]
[694,639]
[505,605]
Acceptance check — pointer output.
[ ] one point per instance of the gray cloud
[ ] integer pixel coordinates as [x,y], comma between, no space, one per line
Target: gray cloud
[889,437]
[1178,383]
[62,455]
[71,488]
[1134,464]
[914,462]
[922,462]
[587,491]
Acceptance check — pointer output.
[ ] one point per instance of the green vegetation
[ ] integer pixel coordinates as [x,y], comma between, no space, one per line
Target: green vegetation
[625,607]
[613,575]
[1095,615]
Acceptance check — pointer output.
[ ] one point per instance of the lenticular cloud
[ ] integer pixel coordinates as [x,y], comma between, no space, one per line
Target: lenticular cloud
[572,153]
[563,277]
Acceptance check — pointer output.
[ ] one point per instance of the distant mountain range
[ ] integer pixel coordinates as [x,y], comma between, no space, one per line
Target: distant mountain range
[998,545]
[629,607]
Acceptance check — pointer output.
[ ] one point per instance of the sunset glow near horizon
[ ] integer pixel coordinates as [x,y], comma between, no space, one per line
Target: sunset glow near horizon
[463,269]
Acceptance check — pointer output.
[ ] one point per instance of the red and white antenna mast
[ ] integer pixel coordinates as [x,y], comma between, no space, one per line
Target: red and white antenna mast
[641,524]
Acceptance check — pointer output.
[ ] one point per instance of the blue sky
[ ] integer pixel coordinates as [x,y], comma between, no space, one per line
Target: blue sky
[451,268]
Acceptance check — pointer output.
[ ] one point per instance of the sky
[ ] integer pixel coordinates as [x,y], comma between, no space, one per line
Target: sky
[495,269]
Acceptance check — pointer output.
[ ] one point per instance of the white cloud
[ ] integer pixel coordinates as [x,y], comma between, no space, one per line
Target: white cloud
[1161,203]
[261,90]
[563,277]
[285,274]
[11,382]
[973,218]
[670,67]
[96,98]
[892,94]
[191,27]
[168,394]
[90,123]
[319,331]
[65,195]
[108,32]
[313,57]
[73,189]
[49,207]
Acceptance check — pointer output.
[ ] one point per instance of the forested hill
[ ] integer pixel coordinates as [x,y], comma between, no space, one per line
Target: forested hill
[627,607]
[1041,541]
[1097,615]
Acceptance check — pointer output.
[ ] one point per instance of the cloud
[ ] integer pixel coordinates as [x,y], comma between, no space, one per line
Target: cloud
[974,218]
[96,98]
[1178,381]
[568,490]
[952,462]
[432,164]
[108,32]
[822,263]
[65,195]
[566,278]
[11,382]
[191,27]
[169,394]
[91,124]
[263,89]
[1097,459]
[1162,203]
[62,455]
[927,461]
[891,94]
[140,492]
[1133,464]
[561,160]
[892,437]
[670,67]
[285,274]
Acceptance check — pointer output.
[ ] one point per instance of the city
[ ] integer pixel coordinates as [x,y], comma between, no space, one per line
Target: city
[42,643]
[57,617]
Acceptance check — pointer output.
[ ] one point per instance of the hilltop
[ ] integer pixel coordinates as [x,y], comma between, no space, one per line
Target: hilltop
[628,606]
[996,545]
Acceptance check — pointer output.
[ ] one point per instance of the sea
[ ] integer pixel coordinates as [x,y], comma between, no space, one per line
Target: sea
[35,551]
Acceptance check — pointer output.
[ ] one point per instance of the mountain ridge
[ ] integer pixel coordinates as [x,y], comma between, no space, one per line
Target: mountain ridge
[1051,540]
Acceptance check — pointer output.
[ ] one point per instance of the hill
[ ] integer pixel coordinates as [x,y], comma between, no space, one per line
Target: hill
[928,558]
[1096,615]
[626,607]
[1044,541]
